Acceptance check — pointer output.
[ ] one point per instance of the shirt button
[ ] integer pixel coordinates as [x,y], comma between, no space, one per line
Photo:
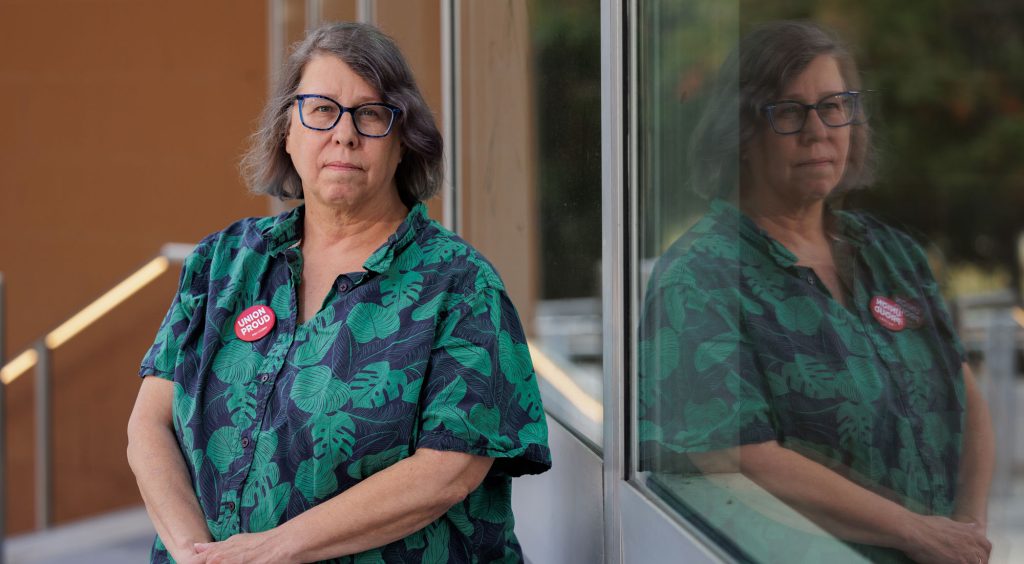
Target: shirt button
[231,506]
[343,286]
[810,279]
[245,442]
[264,377]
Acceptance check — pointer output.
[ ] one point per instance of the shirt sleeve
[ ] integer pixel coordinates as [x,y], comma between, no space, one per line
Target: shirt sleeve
[700,386]
[933,296]
[163,355]
[481,395]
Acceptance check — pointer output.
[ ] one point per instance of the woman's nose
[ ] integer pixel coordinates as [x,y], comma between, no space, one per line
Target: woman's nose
[814,128]
[344,132]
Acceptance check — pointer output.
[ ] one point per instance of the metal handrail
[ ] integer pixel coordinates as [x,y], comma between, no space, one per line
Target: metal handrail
[40,355]
[3,418]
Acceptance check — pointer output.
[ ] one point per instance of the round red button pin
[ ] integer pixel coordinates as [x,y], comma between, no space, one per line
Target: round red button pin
[254,323]
[888,313]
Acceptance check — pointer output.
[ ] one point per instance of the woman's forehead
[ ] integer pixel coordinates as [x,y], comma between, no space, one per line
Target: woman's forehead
[819,78]
[328,75]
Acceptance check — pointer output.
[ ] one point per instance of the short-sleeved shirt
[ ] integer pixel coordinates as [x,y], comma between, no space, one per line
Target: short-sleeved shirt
[421,350]
[741,345]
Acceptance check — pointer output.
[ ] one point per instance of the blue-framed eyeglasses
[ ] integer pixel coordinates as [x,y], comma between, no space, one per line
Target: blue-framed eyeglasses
[322,114]
[835,110]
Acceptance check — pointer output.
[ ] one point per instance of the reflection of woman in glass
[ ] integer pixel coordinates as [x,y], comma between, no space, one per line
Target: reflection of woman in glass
[807,347]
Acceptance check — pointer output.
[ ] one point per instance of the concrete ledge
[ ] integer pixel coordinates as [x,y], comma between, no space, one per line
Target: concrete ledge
[119,537]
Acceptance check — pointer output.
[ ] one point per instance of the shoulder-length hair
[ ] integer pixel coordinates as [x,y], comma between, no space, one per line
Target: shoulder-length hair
[372,55]
[755,74]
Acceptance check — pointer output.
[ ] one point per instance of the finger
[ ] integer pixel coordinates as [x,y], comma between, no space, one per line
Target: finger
[201,547]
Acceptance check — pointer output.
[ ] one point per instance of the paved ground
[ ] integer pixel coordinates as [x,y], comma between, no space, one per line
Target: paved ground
[122,537]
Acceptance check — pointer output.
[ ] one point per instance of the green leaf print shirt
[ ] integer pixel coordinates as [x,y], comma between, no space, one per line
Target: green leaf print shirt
[740,345]
[423,349]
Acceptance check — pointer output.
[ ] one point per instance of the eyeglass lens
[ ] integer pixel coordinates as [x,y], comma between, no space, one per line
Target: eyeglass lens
[835,111]
[323,114]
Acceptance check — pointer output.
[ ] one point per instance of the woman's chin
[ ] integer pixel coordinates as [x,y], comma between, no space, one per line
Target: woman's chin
[338,195]
[813,191]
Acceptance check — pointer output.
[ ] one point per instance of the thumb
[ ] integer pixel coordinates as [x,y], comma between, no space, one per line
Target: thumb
[201,547]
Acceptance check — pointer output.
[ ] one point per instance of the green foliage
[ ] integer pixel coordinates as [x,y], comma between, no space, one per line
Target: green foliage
[320,340]
[333,437]
[469,355]
[369,321]
[224,447]
[376,384]
[438,538]
[236,362]
[317,391]
[715,350]
[315,479]
[401,288]
[799,314]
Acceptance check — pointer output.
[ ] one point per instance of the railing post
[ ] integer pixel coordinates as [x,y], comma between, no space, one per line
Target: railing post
[3,419]
[1000,350]
[44,451]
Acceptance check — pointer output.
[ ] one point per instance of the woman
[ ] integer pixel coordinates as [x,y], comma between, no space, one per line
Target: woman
[807,347]
[347,379]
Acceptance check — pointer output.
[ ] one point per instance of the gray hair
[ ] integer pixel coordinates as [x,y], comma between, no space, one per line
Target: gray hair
[754,75]
[372,55]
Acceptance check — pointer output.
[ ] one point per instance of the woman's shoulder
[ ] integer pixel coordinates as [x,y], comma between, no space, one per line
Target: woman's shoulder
[465,264]
[253,234]
[708,250]
[869,228]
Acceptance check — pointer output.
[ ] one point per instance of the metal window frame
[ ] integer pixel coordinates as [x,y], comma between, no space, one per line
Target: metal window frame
[639,527]
[451,83]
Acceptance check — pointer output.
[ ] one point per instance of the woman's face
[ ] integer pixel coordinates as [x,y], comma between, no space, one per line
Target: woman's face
[804,167]
[340,168]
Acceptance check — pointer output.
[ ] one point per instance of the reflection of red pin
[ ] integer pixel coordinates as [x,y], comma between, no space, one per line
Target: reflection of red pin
[254,323]
[888,313]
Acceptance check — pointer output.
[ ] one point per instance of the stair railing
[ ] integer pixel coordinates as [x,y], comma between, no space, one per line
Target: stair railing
[40,356]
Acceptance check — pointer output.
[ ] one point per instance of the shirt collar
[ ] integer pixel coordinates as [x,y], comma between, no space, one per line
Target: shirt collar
[731,217]
[846,224]
[382,258]
[285,232]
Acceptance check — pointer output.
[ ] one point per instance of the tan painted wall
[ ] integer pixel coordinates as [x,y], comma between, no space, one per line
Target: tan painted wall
[121,124]
[416,27]
[498,183]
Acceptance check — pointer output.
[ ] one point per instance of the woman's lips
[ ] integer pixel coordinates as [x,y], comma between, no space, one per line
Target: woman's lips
[343,166]
[815,162]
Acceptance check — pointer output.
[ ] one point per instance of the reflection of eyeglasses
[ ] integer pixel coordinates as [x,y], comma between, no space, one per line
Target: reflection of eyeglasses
[322,114]
[836,110]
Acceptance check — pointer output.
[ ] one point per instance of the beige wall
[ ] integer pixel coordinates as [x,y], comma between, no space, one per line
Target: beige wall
[122,125]
[498,182]
[416,28]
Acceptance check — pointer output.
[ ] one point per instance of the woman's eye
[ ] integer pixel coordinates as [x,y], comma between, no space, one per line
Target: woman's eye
[369,113]
[323,109]
[788,111]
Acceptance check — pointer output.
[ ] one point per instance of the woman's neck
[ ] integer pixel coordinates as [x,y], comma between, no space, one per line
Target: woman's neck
[326,228]
[799,227]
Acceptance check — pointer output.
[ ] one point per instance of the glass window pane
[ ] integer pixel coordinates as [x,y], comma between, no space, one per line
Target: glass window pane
[531,184]
[825,302]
